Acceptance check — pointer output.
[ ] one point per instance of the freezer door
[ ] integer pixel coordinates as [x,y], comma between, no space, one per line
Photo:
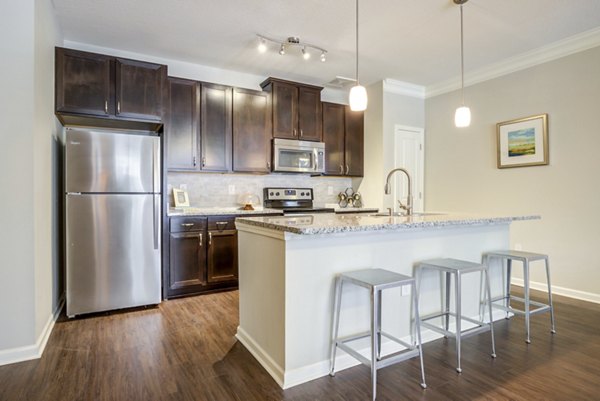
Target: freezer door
[113,252]
[106,161]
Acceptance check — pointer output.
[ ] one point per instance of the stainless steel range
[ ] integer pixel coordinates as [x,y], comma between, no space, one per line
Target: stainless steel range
[293,200]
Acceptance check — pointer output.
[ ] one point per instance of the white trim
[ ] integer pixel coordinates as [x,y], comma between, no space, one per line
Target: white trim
[403,88]
[261,356]
[34,351]
[566,292]
[574,44]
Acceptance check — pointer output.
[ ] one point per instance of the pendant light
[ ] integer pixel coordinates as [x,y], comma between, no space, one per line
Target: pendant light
[462,117]
[358,93]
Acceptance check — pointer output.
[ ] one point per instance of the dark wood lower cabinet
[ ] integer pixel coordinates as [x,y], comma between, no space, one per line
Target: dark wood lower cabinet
[222,256]
[187,260]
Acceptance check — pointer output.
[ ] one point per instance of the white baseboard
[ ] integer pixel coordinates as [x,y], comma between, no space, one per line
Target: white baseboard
[34,351]
[261,356]
[567,292]
[343,361]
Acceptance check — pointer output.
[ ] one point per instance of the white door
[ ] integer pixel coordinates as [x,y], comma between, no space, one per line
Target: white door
[409,151]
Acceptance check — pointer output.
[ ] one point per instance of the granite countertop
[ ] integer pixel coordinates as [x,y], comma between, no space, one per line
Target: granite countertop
[214,211]
[329,223]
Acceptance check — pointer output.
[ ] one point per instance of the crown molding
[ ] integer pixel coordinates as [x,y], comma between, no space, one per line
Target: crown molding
[403,88]
[544,54]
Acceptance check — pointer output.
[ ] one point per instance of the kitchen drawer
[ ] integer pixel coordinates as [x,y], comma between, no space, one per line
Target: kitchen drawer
[221,223]
[187,223]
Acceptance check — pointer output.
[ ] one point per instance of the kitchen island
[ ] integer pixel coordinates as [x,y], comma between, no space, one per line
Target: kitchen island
[287,270]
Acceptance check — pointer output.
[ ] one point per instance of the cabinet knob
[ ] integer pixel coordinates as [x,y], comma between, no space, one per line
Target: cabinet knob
[301,133]
[347,169]
[106,106]
[118,107]
[203,161]
[194,161]
[269,165]
[209,239]
[341,169]
[295,133]
[200,240]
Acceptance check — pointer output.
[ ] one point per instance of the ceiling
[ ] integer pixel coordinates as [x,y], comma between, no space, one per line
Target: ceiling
[411,41]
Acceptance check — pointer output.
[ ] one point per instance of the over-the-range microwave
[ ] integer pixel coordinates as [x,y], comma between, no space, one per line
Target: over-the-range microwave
[298,156]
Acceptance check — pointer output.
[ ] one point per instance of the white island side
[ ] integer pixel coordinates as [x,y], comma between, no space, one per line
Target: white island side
[287,270]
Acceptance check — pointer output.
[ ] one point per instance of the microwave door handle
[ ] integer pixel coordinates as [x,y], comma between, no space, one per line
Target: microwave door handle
[316,157]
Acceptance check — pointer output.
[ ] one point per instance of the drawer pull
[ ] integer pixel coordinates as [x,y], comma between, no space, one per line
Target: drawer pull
[221,224]
[187,224]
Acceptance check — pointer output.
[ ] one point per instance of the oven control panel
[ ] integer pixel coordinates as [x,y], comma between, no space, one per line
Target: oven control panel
[288,193]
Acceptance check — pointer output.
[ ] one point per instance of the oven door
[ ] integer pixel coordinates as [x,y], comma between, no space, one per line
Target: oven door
[298,156]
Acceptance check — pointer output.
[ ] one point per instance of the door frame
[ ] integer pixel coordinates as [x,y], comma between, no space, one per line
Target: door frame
[419,184]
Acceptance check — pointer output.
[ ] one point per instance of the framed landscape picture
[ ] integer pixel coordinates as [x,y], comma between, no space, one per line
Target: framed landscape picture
[523,142]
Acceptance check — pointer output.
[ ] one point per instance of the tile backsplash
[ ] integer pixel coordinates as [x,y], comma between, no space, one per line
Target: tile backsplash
[213,190]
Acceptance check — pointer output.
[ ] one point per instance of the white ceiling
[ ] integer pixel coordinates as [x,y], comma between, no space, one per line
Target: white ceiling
[413,41]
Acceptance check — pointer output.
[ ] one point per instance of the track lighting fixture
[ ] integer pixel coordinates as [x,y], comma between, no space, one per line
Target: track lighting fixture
[290,42]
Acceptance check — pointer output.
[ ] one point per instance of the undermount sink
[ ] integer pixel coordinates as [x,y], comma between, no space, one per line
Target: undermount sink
[416,214]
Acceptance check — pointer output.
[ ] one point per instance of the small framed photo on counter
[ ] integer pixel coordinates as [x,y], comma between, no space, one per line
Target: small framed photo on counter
[523,142]
[181,198]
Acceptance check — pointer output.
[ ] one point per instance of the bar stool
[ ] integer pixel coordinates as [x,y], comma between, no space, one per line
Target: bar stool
[375,280]
[456,268]
[525,258]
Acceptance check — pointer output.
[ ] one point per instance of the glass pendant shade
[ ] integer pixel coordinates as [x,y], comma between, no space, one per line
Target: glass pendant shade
[462,117]
[358,98]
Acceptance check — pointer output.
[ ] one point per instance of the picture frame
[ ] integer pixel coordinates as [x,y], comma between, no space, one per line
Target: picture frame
[181,198]
[523,142]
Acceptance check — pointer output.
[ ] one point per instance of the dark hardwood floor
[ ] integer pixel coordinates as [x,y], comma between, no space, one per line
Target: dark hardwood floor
[186,350]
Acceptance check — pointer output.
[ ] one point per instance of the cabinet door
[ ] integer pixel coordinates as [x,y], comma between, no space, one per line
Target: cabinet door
[187,261]
[285,110]
[309,114]
[216,127]
[354,142]
[251,131]
[182,129]
[139,89]
[82,82]
[333,136]
[222,256]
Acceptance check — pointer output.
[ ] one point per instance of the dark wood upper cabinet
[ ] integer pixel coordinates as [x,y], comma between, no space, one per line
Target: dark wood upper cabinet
[334,138]
[183,124]
[251,131]
[90,85]
[309,114]
[216,131]
[354,143]
[83,82]
[139,89]
[295,109]
[285,110]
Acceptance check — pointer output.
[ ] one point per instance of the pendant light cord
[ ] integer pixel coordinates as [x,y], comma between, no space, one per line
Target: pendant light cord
[357,83]
[462,58]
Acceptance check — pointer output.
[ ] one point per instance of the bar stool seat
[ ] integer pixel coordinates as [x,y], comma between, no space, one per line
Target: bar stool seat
[375,280]
[525,258]
[456,268]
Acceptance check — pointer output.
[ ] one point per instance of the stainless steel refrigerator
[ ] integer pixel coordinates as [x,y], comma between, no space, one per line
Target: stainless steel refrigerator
[113,198]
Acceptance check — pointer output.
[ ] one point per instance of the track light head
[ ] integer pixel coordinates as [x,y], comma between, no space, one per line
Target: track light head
[262,46]
[305,53]
[282,49]
[323,57]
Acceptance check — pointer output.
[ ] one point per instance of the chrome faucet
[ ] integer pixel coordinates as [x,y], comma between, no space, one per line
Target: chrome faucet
[409,201]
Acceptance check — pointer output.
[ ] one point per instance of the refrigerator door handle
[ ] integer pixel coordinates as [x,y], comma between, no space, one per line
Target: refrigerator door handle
[155,166]
[156,219]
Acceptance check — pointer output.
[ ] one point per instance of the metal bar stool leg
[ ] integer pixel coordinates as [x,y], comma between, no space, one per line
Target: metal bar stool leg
[458,320]
[553,329]
[508,274]
[489,302]
[447,310]
[418,329]
[336,322]
[379,294]
[374,342]
[527,306]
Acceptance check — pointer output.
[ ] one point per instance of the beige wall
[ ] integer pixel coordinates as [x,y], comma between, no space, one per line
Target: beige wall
[28,212]
[461,173]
